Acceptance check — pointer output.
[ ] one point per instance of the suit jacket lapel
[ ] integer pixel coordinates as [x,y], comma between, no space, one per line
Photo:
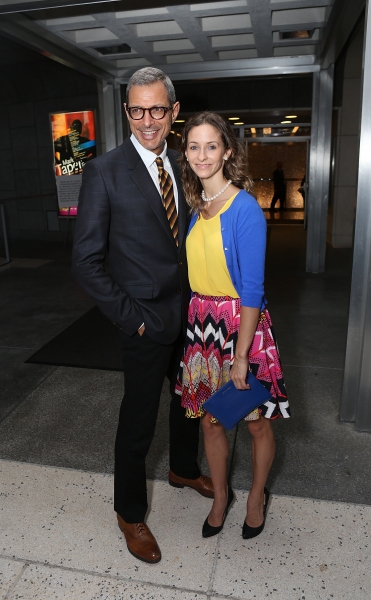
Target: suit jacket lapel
[182,206]
[144,182]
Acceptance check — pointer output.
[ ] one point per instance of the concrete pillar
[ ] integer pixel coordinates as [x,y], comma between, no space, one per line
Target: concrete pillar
[346,147]
[319,170]
[356,397]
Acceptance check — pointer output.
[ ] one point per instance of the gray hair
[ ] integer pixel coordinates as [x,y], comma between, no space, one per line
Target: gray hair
[148,76]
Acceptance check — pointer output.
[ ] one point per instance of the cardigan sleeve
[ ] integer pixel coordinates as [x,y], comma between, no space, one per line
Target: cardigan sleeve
[251,233]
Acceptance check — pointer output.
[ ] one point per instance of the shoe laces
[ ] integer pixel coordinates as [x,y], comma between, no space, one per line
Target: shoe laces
[141,528]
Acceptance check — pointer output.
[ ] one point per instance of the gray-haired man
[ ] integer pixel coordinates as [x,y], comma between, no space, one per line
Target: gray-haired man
[132,207]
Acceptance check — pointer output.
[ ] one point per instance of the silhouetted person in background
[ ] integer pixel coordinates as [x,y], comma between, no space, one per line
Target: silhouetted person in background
[279,187]
[302,188]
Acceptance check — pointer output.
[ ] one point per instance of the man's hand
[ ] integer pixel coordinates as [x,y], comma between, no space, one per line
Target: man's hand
[141,330]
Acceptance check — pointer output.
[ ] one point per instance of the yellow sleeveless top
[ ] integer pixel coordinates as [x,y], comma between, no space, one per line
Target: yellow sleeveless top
[207,267]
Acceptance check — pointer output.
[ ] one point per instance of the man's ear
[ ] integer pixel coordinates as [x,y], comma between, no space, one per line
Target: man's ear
[175,111]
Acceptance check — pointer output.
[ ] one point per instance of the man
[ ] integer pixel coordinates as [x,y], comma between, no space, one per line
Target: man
[279,187]
[134,207]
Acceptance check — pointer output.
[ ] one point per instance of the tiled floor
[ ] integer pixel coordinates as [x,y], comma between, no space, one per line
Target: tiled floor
[60,540]
[57,426]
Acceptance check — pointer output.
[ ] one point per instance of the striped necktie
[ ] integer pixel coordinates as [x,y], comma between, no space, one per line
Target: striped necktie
[168,199]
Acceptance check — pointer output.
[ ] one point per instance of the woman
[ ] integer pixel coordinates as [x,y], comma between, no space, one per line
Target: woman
[229,328]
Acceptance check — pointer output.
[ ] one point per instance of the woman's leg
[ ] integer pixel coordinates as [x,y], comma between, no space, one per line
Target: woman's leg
[262,449]
[216,448]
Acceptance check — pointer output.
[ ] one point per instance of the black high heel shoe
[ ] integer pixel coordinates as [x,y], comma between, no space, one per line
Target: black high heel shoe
[207,529]
[251,532]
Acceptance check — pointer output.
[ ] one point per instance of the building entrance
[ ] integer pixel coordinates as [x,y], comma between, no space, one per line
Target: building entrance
[279,167]
[279,174]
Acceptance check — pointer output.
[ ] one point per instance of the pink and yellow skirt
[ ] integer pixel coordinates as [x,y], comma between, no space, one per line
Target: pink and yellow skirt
[213,325]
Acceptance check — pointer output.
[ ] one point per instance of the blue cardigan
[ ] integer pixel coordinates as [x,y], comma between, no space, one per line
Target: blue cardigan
[244,230]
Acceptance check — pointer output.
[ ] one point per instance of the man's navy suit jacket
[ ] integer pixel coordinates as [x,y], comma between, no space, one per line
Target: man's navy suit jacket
[120,212]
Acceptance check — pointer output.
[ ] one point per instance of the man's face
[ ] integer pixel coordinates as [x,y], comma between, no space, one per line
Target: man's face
[151,133]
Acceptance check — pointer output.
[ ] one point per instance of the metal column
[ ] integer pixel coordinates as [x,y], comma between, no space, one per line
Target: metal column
[356,397]
[319,171]
[110,108]
[118,114]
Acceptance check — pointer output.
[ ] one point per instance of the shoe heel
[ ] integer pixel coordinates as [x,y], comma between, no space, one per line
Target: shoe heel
[176,485]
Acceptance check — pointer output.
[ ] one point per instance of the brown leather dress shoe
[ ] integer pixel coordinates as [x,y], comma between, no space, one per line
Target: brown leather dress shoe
[203,485]
[140,541]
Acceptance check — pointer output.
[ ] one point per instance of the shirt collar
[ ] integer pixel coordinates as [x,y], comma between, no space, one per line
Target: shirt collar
[147,156]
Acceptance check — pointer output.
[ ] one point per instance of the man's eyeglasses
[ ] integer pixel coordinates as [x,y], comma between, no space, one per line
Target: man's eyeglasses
[156,112]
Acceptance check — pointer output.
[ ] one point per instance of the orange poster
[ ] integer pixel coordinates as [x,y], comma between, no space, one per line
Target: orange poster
[74,143]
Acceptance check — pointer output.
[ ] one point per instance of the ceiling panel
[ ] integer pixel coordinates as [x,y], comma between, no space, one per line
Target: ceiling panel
[221,23]
[233,54]
[243,32]
[219,5]
[300,15]
[183,58]
[172,45]
[236,39]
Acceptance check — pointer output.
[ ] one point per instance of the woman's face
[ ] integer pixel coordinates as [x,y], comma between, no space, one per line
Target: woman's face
[206,151]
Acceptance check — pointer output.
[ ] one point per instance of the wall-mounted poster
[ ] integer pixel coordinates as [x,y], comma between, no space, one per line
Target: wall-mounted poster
[74,143]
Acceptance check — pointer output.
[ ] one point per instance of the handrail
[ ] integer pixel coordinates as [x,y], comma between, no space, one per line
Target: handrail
[7,256]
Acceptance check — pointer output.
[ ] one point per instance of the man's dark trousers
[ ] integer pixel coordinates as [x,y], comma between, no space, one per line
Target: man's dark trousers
[146,364]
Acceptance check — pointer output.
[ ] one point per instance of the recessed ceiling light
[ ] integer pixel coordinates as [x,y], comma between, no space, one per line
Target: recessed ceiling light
[239,123]
[282,122]
[233,118]
[291,117]
[180,121]
[121,49]
[300,34]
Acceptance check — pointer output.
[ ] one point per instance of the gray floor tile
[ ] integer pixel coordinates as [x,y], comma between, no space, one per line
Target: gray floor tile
[10,570]
[65,518]
[309,550]
[317,456]
[31,322]
[46,583]
[70,420]
[22,282]
[18,379]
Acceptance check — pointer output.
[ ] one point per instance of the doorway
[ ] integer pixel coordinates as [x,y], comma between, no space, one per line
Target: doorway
[263,159]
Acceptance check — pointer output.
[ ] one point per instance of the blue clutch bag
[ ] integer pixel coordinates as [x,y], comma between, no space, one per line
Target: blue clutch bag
[229,405]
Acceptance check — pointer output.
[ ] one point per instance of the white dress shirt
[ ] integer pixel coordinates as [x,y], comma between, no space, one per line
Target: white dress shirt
[149,159]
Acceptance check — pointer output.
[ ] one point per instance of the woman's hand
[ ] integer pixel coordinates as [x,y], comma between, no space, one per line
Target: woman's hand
[248,323]
[238,373]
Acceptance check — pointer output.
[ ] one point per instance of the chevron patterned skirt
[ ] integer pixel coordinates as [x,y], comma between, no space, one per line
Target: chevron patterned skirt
[213,325]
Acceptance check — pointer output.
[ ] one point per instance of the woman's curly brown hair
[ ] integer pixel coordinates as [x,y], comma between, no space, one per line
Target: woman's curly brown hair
[235,168]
